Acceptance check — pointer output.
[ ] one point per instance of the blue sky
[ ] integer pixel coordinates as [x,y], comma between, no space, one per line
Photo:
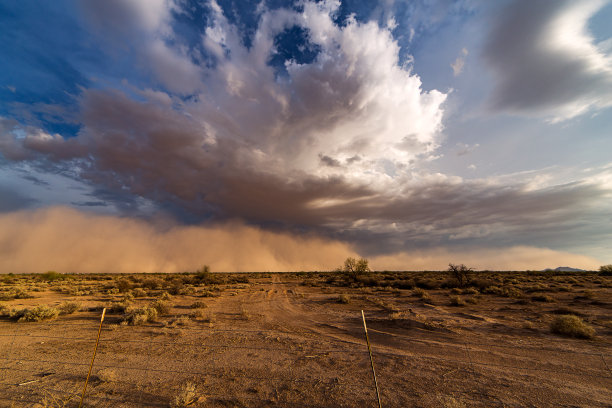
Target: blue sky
[413,133]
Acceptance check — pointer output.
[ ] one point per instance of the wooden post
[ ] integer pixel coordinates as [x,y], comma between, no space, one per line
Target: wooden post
[371,361]
[93,358]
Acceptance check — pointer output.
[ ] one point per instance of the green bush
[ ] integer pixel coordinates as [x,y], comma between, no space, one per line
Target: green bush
[572,326]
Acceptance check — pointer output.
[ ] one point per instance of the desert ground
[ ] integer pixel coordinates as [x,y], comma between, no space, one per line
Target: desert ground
[297,340]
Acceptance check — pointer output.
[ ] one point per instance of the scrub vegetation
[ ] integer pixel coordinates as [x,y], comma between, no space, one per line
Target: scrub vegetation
[153,320]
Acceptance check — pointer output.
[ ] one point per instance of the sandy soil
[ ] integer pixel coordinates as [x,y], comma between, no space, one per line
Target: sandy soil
[288,340]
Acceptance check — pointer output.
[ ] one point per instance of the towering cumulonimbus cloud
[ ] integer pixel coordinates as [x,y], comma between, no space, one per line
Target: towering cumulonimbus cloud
[240,127]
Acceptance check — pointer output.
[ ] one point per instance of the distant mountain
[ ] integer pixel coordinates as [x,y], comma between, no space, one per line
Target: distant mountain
[565,269]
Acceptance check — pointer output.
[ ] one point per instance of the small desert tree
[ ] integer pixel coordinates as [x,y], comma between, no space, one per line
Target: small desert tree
[355,267]
[605,270]
[461,273]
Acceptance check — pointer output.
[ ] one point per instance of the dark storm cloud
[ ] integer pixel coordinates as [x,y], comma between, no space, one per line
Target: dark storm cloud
[12,200]
[545,62]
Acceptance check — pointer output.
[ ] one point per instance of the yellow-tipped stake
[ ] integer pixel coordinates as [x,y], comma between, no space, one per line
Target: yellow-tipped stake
[93,358]
[371,361]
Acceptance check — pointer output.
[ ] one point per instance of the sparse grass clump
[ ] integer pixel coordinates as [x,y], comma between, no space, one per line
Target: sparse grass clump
[185,396]
[572,326]
[472,300]
[198,314]
[107,375]
[543,298]
[344,299]
[456,301]
[198,305]
[418,292]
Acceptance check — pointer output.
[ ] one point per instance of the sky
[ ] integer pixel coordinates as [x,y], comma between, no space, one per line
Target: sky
[161,135]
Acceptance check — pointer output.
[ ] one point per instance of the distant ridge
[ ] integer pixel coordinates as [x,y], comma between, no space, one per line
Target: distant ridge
[565,269]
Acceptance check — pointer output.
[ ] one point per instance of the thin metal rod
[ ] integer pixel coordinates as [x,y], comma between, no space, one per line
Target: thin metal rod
[371,360]
[93,358]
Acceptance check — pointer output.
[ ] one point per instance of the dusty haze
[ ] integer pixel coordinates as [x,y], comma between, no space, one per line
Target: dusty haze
[67,240]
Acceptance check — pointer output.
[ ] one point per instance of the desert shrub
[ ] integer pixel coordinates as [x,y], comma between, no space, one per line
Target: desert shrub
[492,290]
[165,296]
[543,298]
[511,292]
[605,270]
[4,311]
[36,314]
[403,284]
[344,299]
[367,280]
[470,291]
[427,283]
[17,293]
[52,276]
[177,288]
[456,291]
[207,293]
[140,315]
[119,307]
[152,283]
[123,285]
[161,306]
[460,273]
[198,305]
[198,314]
[107,375]
[396,315]
[128,297]
[472,300]
[68,307]
[139,292]
[22,294]
[456,301]
[572,326]
[185,396]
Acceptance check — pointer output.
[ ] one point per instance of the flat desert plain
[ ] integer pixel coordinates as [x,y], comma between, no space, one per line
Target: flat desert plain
[505,339]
